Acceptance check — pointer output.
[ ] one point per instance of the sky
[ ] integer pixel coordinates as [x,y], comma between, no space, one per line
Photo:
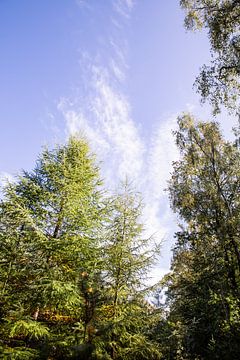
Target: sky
[117,71]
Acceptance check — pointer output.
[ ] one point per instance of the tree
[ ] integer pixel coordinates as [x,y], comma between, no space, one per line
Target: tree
[125,317]
[74,265]
[219,82]
[204,283]
[49,221]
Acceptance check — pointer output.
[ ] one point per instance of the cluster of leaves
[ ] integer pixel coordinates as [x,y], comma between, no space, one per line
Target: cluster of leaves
[72,265]
[219,82]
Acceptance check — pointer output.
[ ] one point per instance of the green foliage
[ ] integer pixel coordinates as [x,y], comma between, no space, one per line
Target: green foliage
[18,353]
[73,267]
[29,329]
[219,82]
[49,220]
[125,317]
[204,284]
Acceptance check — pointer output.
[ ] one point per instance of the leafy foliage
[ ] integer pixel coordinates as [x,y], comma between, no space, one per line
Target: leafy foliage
[219,82]
[203,287]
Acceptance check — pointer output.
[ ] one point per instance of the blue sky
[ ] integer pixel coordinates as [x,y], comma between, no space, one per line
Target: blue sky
[119,71]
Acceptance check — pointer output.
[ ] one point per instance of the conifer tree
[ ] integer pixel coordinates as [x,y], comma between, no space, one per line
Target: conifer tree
[125,317]
[49,220]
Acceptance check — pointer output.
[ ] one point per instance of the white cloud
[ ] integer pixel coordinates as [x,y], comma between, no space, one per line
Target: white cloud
[117,71]
[84,4]
[109,127]
[112,110]
[117,141]
[103,114]
[123,7]
[162,152]
[120,55]
[130,3]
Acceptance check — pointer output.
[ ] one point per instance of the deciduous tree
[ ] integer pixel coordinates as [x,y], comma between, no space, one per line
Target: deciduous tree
[204,283]
[218,82]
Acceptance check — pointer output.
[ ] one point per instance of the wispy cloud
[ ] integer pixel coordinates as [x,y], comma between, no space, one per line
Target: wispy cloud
[103,114]
[108,125]
[124,151]
[84,4]
[163,151]
[117,71]
[123,7]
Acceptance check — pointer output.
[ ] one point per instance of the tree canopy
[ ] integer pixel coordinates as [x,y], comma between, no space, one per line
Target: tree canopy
[218,82]
[204,282]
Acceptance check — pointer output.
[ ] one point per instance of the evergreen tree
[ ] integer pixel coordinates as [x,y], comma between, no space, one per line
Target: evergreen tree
[125,317]
[49,221]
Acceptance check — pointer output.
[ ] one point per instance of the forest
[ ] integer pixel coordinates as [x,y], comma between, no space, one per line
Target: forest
[74,261]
